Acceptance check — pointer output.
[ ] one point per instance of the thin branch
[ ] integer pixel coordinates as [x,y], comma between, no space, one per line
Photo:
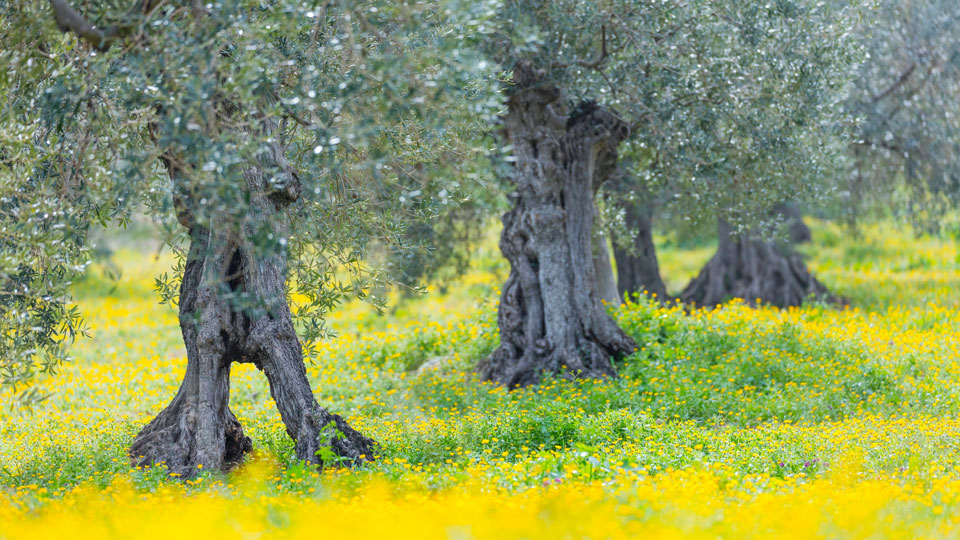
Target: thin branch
[290,113]
[912,92]
[596,62]
[894,146]
[641,121]
[659,38]
[904,77]
[603,51]
[613,89]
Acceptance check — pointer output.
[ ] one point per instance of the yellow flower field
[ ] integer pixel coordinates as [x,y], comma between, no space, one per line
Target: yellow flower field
[736,423]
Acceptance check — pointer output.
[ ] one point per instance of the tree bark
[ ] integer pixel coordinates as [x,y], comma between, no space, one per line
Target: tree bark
[233,309]
[757,270]
[638,270]
[550,315]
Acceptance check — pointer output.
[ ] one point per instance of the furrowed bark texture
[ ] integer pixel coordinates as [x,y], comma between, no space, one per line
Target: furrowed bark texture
[637,268]
[753,270]
[233,309]
[550,316]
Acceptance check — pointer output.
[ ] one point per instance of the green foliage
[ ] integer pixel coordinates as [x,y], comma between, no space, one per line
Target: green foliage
[734,106]
[41,250]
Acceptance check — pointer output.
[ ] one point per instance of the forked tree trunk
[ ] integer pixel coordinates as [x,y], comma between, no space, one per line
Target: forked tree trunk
[638,271]
[233,309]
[550,315]
[753,270]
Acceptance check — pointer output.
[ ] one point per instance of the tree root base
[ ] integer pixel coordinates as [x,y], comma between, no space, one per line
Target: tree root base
[508,368]
[170,440]
[346,446]
[757,272]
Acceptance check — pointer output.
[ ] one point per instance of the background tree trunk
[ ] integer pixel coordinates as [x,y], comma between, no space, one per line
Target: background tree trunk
[637,268]
[753,269]
[550,316]
[233,309]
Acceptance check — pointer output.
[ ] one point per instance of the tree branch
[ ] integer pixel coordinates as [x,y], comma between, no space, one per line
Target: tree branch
[896,84]
[603,52]
[596,62]
[70,20]
[557,121]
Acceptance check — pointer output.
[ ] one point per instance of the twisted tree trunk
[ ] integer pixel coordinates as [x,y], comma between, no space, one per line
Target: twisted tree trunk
[550,315]
[758,270]
[637,268]
[233,309]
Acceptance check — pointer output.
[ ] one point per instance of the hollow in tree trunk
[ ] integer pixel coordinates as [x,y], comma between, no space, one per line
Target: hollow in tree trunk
[637,268]
[233,310]
[550,315]
[603,267]
[758,270]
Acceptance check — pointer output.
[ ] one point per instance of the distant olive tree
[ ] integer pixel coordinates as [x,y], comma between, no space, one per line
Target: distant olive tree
[271,132]
[763,127]
[907,152]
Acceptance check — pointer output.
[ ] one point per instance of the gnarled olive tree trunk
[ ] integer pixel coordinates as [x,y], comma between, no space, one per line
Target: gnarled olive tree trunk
[233,310]
[550,316]
[754,269]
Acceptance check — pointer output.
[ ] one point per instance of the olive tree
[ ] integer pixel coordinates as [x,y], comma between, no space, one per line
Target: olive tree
[762,123]
[725,107]
[271,132]
[759,267]
[907,152]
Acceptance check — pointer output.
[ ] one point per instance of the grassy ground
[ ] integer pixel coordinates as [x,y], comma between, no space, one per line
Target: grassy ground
[734,422]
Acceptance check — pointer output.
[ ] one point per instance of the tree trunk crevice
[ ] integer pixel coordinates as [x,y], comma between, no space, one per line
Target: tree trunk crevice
[550,316]
[603,266]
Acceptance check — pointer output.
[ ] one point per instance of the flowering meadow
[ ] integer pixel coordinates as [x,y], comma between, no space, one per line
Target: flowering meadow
[734,422]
